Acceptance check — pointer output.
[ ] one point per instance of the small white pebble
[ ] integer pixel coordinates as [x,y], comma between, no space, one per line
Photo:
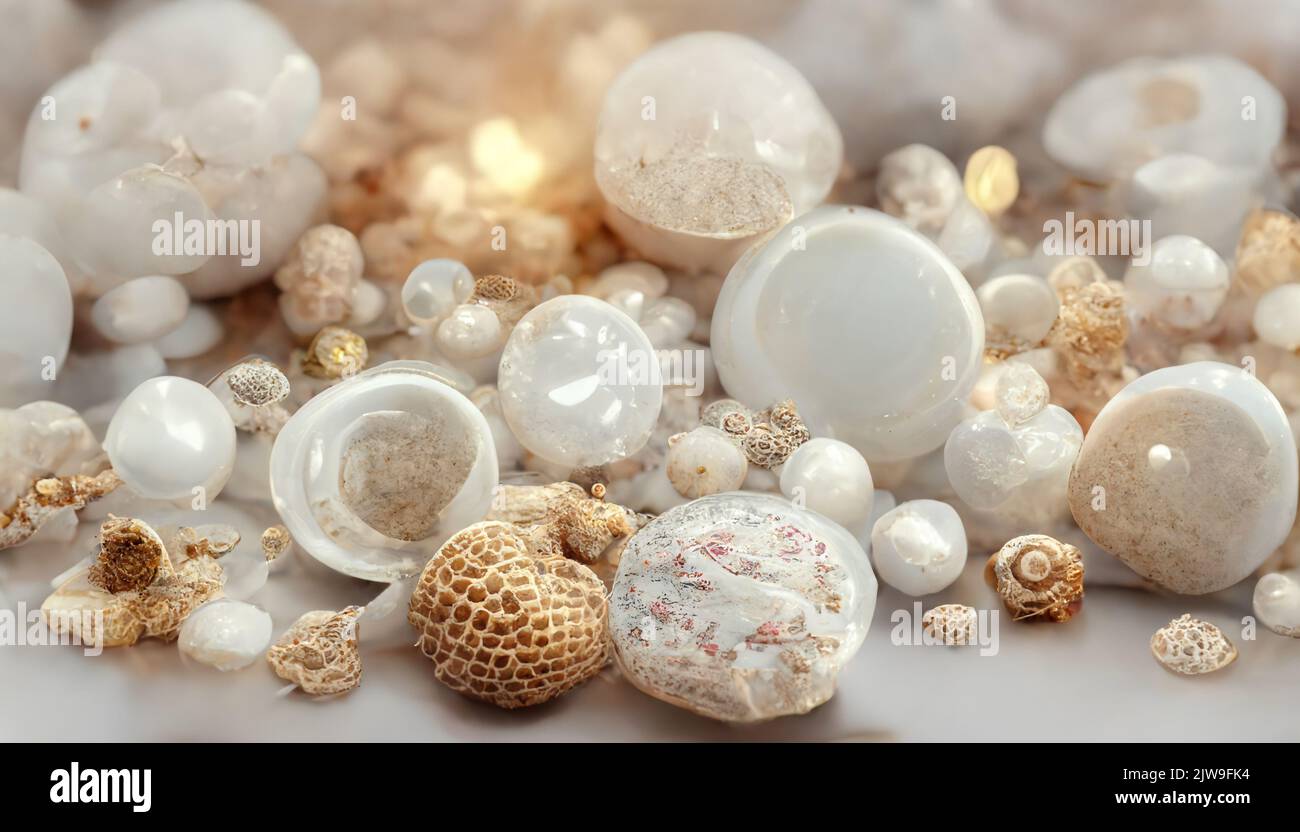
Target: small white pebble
[831,478]
[368,303]
[705,461]
[667,322]
[141,310]
[470,331]
[1182,287]
[1021,393]
[919,547]
[1020,305]
[434,288]
[919,185]
[1277,316]
[645,278]
[199,332]
[225,634]
[1277,602]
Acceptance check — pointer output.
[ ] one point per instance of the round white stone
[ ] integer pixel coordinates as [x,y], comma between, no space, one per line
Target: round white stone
[1277,316]
[35,322]
[141,309]
[470,331]
[169,437]
[579,382]
[828,313]
[1019,304]
[705,461]
[920,186]
[224,634]
[1182,287]
[200,331]
[1277,602]
[434,288]
[919,547]
[831,478]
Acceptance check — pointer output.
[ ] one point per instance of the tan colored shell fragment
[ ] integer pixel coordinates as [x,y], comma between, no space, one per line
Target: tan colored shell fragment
[48,497]
[1090,331]
[1268,251]
[1191,646]
[319,652]
[275,542]
[580,526]
[130,554]
[95,616]
[335,352]
[952,624]
[213,540]
[507,619]
[1038,577]
[257,383]
[767,437]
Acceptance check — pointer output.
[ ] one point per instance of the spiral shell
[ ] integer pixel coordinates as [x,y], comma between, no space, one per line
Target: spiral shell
[1037,575]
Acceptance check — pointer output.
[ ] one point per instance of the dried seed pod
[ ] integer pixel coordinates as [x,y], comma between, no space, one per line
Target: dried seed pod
[1268,252]
[257,383]
[505,618]
[335,352]
[1191,646]
[1037,575]
[578,526]
[130,554]
[212,540]
[47,498]
[1090,331]
[505,296]
[275,542]
[951,624]
[319,652]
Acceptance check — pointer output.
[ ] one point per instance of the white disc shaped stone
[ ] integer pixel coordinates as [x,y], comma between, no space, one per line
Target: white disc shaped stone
[580,383]
[862,321]
[832,479]
[372,475]
[1189,476]
[171,436]
[919,547]
[740,607]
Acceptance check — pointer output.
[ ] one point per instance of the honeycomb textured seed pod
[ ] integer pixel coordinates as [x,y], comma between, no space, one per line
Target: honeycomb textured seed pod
[1191,646]
[506,618]
[130,554]
[1038,577]
[952,624]
[319,652]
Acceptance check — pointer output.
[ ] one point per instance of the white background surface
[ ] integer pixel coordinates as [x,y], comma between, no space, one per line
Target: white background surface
[1091,678]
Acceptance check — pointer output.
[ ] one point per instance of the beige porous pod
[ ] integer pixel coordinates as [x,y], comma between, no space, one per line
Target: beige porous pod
[955,625]
[319,652]
[507,618]
[1189,476]
[1191,646]
[1038,578]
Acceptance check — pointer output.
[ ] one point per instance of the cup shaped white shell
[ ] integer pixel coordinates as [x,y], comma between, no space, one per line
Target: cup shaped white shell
[372,475]
[862,321]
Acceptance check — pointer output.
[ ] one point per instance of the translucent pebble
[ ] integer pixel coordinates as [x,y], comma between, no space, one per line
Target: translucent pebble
[1277,316]
[170,437]
[579,382]
[1182,287]
[1021,393]
[827,313]
[470,331]
[35,321]
[368,302]
[225,634]
[920,186]
[830,478]
[630,302]
[198,332]
[646,278]
[983,460]
[434,288]
[1185,194]
[1277,602]
[1019,305]
[919,547]
[1189,476]
[667,322]
[142,309]
[705,461]
[991,181]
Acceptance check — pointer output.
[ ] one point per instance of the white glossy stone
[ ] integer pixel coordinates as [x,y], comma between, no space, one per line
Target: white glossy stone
[1182,287]
[434,288]
[1189,476]
[224,634]
[1020,393]
[667,322]
[705,461]
[35,321]
[470,331]
[579,382]
[736,143]
[1277,602]
[830,478]
[920,186]
[643,277]
[827,313]
[142,309]
[171,436]
[1019,305]
[740,607]
[1277,316]
[919,547]
[373,474]
[200,331]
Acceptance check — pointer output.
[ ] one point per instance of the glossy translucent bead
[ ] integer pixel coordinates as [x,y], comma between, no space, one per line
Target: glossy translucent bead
[919,547]
[831,478]
[434,288]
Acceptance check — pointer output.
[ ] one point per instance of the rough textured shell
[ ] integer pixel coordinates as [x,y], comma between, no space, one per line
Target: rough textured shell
[319,652]
[951,624]
[1191,646]
[1039,576]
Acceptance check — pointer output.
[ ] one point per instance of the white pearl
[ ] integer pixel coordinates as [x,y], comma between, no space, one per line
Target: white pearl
[1277,602]
[1182,287]
[828,312]
[225,634]
[35,321]
[705,461]
[1019,304]
[434,288]
[919,547]
[831,478]
[1277,316]
[141,310]
[579,382]
[470,331]
[171,436]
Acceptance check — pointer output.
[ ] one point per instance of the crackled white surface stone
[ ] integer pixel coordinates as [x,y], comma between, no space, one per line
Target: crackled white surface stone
[1189,476]
[827,313]
[740,607]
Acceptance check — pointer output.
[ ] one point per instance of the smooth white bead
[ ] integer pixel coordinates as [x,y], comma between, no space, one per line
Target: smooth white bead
[579,382]
[919,547]
[142,309]
[1277,316]
[434,288]
[667,322]
[1019,304]
[646,278]
[831,478]
[470,331]
[1182,287]
[171,436]
[225,634]
[1277,602]
[705,461]
[920,186]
